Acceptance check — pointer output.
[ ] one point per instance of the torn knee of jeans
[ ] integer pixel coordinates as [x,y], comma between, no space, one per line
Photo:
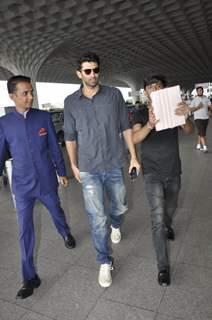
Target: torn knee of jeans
[89,188]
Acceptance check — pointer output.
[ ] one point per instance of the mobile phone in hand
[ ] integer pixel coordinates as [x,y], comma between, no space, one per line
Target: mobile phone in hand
[133,173]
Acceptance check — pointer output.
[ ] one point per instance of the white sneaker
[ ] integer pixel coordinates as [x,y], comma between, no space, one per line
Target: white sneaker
[204,148]
[115,235]
[198,146]
[105,279]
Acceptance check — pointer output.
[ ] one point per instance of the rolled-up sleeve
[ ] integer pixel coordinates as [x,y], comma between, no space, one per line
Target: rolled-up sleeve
[124,120]
[70,133]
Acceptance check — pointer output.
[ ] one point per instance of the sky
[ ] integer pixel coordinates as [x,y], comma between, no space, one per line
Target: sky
[53,93]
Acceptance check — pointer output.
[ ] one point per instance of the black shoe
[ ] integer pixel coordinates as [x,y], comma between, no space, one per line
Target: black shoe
[28,287]
[35,282]
[164,278]
[70,242]
[170,233]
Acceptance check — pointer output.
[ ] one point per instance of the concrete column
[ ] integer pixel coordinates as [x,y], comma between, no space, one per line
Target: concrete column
[136,95]
[35,102]
[135,92]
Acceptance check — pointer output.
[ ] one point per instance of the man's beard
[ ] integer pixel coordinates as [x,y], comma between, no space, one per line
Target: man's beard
[93,84]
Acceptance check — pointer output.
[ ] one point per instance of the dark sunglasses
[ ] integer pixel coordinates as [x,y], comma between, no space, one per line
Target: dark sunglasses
[88,71]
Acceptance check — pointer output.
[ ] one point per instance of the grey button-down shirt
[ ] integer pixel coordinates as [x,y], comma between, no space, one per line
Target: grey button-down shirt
[96,124]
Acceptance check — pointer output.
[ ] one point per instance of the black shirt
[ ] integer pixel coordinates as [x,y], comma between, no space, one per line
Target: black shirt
[160,149]
[97,125]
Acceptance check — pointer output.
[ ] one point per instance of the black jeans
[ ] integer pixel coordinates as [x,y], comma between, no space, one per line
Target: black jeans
[162,194]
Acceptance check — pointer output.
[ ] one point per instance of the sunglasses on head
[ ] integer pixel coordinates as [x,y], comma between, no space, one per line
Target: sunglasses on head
[88,71]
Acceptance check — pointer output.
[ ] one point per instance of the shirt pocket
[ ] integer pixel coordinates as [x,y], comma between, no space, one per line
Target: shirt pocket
[43,141]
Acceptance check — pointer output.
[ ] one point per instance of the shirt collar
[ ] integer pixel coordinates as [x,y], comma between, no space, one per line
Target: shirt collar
[23,114]
[80,93]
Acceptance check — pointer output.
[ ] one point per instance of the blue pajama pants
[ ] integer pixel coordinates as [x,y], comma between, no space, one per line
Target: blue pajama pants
[25,207]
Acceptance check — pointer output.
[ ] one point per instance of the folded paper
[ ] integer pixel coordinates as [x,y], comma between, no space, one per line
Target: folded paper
[164,104]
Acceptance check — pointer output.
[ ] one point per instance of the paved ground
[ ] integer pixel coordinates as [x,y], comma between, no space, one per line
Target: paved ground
[70,290]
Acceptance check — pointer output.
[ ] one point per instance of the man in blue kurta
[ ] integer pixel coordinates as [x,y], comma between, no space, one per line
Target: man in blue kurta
[29,135]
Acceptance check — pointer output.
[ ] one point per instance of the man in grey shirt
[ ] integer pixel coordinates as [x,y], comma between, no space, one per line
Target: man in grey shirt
[200,107]
[96,126]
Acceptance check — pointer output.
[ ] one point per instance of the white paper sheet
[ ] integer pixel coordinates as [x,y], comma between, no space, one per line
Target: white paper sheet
[164,103]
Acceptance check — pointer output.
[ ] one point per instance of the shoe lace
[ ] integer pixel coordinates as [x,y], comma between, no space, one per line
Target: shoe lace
[107,267]
[116,232]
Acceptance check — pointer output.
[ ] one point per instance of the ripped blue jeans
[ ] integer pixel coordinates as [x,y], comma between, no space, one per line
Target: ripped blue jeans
[95,185]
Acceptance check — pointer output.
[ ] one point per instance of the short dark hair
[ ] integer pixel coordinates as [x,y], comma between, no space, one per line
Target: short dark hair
[199,87]
[87,57]
[154,79]
[14,80]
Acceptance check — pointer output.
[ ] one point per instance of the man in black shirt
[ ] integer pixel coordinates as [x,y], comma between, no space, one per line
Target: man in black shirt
[161,166]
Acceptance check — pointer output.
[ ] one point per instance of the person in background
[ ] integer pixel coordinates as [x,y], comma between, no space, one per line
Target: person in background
[137,105]
[96,123]
[200,107]
[29,135]
[161,166]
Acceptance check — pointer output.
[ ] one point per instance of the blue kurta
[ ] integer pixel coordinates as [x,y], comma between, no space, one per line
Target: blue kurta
[36,154]
[33,145]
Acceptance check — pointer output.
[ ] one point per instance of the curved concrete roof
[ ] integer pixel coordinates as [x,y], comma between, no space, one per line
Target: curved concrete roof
[133,38]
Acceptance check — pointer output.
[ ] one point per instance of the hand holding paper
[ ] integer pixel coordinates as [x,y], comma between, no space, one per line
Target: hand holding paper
[165,103]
